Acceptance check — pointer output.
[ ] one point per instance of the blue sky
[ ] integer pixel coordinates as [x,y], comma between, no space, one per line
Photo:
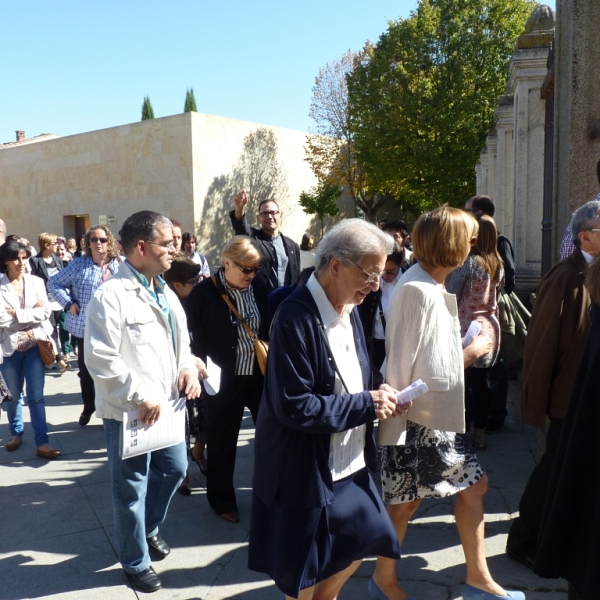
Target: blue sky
[71,66]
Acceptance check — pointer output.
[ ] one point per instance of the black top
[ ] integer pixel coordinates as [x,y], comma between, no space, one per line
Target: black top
[214,332]
[505,250]
[39,268]
[269,256]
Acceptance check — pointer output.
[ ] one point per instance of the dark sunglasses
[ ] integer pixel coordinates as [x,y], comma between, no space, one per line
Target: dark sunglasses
[247,270]
[97,239]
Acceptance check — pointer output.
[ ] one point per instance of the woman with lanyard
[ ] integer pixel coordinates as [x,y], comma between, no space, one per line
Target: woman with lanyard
[73,288]
[44,265]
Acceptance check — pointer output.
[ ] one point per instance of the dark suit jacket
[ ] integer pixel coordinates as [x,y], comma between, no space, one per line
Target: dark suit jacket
[269,257]
[570,532]
[213,332]
[39,268]
[555,340]
[507,255]
[299,411]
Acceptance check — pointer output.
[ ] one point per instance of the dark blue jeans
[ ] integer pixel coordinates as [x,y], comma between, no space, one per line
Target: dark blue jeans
[17,369]
[142,488]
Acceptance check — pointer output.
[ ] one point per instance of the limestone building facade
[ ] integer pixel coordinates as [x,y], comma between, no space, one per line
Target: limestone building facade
[187,166]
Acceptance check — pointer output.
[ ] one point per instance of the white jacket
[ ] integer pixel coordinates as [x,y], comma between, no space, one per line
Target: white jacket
[28,317]
[422,341]
[129,350]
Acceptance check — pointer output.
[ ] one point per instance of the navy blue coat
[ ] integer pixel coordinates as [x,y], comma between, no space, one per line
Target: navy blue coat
[299,411]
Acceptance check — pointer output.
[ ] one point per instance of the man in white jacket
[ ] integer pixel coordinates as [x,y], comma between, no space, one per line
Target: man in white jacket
[137,352]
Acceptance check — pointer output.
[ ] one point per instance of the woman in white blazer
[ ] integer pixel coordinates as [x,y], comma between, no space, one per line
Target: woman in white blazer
[24,316]
[427,454]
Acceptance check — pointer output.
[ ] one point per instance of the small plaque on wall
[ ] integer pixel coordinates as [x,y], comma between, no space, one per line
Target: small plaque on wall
[102,220]
[112,218]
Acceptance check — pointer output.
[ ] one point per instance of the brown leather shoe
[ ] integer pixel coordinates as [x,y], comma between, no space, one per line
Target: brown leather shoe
[14,443]
[51,453]
[231,517]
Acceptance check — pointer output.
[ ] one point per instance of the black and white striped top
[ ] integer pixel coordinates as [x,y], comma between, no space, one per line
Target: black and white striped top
[246,306]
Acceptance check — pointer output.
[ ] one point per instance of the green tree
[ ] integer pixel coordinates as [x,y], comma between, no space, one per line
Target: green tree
[147,110]
[190,101]
[320,200]
[422,100]
[330,149]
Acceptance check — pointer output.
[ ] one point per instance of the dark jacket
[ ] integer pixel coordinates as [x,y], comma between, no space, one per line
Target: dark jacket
[269,256]
[299,411]
[39,268]
[212,329]
[555,339]
[506,252]
[367,312]
[570,533]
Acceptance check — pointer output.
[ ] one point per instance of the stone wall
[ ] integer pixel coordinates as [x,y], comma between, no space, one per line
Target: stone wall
[183,166]
[511,165]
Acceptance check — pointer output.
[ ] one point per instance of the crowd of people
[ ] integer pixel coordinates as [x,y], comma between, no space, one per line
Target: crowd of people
[146,317]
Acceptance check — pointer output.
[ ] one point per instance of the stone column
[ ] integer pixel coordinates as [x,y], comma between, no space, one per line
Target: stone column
[527,72]
[483,164]
[577,109]
[505,166]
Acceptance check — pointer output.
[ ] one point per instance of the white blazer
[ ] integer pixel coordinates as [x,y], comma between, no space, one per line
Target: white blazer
[132,351]
[422,341]
[28,317]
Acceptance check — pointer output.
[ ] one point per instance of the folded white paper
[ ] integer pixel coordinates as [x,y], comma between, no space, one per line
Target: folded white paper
[212,384]
[414,390]
[473,331]
[169,430]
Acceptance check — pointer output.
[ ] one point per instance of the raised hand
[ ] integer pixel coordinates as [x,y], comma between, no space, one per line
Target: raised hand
[240,200]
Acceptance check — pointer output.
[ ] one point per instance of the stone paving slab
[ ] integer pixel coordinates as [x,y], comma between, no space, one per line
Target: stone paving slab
[58,538]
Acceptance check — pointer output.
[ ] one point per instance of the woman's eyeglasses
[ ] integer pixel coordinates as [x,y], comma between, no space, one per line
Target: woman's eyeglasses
[97,239]
[247,270]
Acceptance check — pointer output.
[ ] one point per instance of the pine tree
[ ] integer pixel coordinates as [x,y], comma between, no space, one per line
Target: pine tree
[190,101]
[147,110]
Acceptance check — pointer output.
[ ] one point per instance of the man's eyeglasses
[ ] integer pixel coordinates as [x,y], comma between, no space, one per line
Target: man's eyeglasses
[165,245]
[247,270]
[268,213]
[371,277]
[97,239]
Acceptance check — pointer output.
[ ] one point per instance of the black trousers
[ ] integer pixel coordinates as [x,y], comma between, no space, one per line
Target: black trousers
[88,391]
[222,418]
[378,353]
[477,397]
[523,535]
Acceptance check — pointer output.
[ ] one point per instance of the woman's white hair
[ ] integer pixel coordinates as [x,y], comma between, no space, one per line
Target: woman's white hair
[350,240]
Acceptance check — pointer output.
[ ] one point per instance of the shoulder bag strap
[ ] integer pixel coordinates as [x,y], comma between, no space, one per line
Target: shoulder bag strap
[380,308]
[233,309]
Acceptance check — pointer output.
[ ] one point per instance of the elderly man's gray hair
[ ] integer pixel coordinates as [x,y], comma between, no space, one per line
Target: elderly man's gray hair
[350,240]
[585,217]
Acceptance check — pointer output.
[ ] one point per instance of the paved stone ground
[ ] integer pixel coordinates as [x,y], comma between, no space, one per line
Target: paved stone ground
[58,541]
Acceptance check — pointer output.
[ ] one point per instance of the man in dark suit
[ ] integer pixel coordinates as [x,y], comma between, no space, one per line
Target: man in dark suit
[280,255]
[555,341]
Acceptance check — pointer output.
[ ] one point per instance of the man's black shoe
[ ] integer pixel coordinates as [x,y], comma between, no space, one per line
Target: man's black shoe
[146,581]
[157,547]
[526,561]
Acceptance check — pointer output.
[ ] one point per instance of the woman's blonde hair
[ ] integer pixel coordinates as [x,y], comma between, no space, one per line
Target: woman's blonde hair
[45,238]
[486,247]
[242,250]
[113,247]
[443,237]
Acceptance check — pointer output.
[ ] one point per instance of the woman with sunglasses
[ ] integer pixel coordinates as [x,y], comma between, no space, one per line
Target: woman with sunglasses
[73,288]
[217,332]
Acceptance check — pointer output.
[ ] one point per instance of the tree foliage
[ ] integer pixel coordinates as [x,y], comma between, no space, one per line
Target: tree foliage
[330,147]
[147,110]
[320,200]
[422,100]
[190,101]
